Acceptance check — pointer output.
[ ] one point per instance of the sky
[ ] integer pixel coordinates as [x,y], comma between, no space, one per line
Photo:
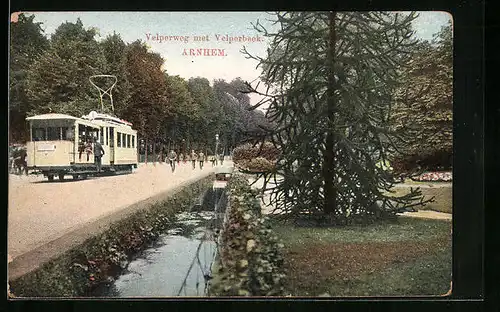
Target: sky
[224,59]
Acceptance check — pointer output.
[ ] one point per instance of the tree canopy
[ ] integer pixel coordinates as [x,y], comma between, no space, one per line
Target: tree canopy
[424,105]
[27,44]
[52,75]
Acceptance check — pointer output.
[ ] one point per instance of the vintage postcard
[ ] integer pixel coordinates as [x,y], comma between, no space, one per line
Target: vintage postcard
[260,154]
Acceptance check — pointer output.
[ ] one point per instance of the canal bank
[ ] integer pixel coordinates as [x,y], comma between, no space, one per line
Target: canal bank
[92,256]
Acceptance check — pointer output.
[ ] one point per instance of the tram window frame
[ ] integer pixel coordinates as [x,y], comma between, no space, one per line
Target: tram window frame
[128,140]
[83,134]
[118,139]
[112,136]
[68,133]
[36,137]
[53,134]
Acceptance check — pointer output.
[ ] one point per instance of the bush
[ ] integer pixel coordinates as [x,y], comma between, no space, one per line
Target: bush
[259,158]
[251,260]
[441,160]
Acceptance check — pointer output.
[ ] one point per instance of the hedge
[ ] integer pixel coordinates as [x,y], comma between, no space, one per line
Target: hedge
[250,260]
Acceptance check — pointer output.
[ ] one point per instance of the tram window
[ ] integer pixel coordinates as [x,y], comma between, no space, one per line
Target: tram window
[118,139]
[68,133]
[82,133]
[102,136]
[107,136]
[124,139]
[39,134]
[133,141]
[128,140]
[53,133]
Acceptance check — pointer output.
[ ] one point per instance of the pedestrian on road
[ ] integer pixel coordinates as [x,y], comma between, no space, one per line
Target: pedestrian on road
[98,153]
[221,158]
[181,158]
[201,159]
[194,157]
[213,159]
[172,156]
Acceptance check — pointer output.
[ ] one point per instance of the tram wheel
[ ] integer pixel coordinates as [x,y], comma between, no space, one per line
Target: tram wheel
[61,176]
[50,177]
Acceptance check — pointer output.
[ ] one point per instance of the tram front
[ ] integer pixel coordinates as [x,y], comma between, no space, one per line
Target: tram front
[54,143]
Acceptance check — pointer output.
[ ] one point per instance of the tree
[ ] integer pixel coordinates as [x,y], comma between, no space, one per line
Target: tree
[27,43]
[239,124]
[424,106]
[186,113]
[149,99]
[203,97]
[334,76]
[58,81]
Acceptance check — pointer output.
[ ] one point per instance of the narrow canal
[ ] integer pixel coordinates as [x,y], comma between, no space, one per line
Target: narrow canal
[180,261]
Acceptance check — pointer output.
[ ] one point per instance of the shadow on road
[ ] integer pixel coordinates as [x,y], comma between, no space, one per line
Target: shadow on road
[65,180]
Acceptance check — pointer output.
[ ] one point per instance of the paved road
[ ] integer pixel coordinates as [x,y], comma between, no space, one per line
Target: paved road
[41,211]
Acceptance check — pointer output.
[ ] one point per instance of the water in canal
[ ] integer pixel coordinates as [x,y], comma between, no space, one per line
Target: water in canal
[174,266]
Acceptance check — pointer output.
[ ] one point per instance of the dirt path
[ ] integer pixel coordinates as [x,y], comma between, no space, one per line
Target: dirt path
[42,211]
[428,214]
[423,185]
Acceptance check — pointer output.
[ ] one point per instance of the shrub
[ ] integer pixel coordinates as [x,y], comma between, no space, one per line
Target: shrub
[440,160]
[251,260]
[259,158]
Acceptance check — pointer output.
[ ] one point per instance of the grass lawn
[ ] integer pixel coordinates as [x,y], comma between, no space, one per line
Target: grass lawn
[443,197]
[407,257]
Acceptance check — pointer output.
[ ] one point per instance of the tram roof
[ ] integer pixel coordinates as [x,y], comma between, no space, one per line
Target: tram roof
[55,116]
[52,116]
[103,120]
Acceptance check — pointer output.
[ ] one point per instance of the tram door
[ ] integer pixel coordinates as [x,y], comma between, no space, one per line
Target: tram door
[111,145]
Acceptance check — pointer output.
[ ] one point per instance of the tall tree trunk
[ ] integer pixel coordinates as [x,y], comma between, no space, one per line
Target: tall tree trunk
[146,151]
[154,153]
[162,157]
[330,202]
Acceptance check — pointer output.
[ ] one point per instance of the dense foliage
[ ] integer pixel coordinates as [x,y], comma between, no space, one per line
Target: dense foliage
[52,75]
[251,262]
[424,107]
[256,158]
[332,79]
[27,44]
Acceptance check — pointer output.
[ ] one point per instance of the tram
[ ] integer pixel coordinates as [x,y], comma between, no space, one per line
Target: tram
[63,145]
